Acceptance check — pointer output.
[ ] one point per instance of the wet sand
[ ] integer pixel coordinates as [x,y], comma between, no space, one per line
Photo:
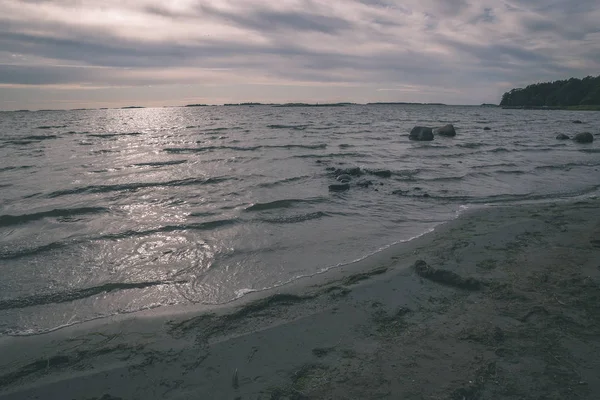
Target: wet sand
[503,303]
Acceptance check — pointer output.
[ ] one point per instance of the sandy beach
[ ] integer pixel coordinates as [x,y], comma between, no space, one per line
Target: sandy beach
[502,303]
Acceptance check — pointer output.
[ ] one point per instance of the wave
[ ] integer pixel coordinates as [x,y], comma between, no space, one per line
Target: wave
[243,148]
[78,294]
[282,181]
[135,186]
[29,139]
[294,218]
[200,226]
[294,127]
[178,150]
[51,127]
[589,150]
[499,150]
[8,220]
[470,145]
[11,255]
[111,135]
[565,166]
[331,155]
[494,165]
[283,204]
[2,169]
[160,163]
[507,198]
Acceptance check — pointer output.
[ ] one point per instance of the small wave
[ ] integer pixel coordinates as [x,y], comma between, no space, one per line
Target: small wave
[499,150]
[32,251]
[7,220]
[160,163]
[565,166]
[470,145]
[135,186]
[178,150]
[510,172]
[112,135]
[330,155]
[19,253]
[51,127]
[297,146]
[494,165]
[294,127]
[200,226]
[294,218]
[282,181]
[29,139]
[509,198]
[2,169]
[65,297]
[589,150]
[282,204]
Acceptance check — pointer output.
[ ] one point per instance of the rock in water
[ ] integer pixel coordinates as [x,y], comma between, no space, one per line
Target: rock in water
[344,178]
[562,136]
[446,130]
[584,137]
[382,173]
[353,171]
[421,133]
[339,187]
[577,122]
[487,128]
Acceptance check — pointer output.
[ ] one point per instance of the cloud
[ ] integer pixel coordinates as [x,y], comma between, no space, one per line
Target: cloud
[470,50]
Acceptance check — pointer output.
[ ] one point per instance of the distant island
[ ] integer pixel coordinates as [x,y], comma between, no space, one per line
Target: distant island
[313,105]
[196,105]
[401,103]
[130,107]
[245,104]
[571,94]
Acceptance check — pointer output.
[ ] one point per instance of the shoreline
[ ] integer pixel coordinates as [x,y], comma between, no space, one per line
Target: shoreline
[373,326]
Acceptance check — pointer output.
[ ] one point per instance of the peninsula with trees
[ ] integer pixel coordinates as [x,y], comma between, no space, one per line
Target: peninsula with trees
[571,94]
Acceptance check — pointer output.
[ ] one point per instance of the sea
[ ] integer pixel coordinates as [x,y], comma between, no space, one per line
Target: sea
[114,211]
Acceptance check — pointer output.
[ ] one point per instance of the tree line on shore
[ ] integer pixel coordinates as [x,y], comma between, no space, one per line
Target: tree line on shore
[563,93]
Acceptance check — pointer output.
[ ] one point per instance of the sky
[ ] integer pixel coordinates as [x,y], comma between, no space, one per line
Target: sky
[57,54]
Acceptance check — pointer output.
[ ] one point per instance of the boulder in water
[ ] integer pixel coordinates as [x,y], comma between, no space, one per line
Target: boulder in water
[339,187]
[446,130]
[584,137]
[562,136]
[421,133]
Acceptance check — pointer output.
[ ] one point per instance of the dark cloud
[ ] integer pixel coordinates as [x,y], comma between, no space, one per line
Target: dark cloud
[452,43]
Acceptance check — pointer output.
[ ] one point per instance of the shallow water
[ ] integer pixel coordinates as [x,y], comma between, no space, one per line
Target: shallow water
[114,211]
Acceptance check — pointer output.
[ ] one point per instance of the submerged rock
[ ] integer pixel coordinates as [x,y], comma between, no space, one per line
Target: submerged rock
[382,173]
[445,277]
[487,128]
[352,171]
[364,184]
[339,187]
[584,137]
[446,130]
[577,122]
[562,136]
[421,133]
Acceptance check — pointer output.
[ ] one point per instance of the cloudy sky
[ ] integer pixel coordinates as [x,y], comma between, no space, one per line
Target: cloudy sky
[90,53]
